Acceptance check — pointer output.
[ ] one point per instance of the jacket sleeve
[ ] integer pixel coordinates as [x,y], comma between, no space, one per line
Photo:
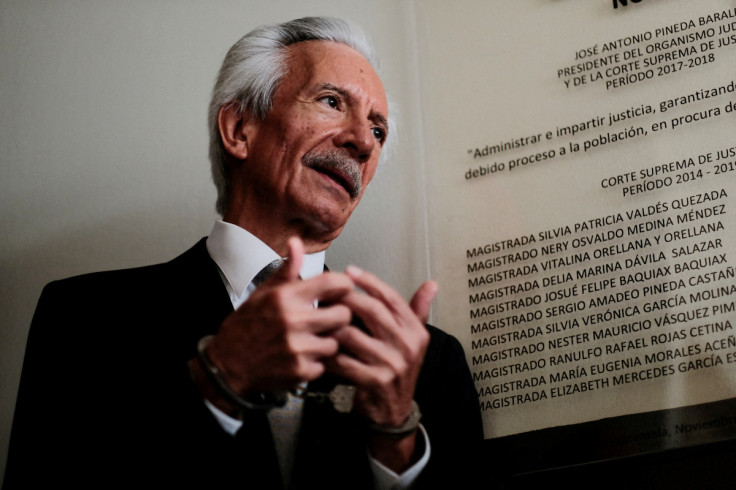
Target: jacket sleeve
[451,415]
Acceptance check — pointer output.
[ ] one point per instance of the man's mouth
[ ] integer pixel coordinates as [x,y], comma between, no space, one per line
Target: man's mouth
[338,167]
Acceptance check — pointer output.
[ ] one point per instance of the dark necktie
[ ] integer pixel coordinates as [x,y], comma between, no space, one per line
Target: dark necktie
[267,272]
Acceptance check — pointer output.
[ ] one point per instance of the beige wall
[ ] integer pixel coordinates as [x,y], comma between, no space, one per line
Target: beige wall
[103,145]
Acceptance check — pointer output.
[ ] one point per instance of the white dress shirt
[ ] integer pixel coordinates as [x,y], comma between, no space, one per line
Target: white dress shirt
[240,256]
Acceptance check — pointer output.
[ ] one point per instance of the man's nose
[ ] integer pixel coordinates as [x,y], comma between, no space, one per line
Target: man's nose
[358,139]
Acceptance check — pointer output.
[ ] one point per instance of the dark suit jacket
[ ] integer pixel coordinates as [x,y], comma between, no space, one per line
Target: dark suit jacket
[106,400]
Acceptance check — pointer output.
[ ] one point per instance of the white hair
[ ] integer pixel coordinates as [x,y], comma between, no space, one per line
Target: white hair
[252,70]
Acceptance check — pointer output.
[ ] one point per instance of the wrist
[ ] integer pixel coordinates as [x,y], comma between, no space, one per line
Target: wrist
[397,454]
[240,402]
[408,427]
[208,391]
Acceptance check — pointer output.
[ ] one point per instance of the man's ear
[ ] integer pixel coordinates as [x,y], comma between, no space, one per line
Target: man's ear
[233,126]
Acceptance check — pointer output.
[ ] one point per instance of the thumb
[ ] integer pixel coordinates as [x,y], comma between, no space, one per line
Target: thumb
[422,299]
[289,271]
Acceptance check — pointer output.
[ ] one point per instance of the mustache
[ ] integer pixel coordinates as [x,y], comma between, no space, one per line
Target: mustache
[339,167]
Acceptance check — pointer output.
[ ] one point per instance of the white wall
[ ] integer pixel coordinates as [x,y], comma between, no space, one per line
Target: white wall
[103,144]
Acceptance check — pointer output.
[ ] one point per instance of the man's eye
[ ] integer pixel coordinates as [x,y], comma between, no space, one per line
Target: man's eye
[330,100]
[379,134]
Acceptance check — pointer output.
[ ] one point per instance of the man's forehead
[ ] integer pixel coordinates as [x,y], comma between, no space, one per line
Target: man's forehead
[322,63]
[305,52]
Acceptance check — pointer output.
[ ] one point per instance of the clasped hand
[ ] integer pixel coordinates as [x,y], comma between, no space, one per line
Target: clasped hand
[277,338]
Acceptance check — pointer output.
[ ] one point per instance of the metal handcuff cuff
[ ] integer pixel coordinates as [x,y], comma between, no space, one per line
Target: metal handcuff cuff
[341,396]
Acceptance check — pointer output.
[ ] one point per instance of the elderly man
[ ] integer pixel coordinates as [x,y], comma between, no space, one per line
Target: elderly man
[242,363]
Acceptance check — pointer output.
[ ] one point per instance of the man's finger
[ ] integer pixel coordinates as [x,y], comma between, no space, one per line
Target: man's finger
[362,346]
[289,270]
[376,288]
[422,299]
[420,302]
[324,320]
[376,318]
[326,288]
[295,257]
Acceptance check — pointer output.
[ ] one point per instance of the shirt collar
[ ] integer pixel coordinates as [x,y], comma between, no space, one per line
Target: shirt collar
[240,256]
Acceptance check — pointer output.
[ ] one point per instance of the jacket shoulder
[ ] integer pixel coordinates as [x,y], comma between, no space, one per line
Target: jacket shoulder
[126,281]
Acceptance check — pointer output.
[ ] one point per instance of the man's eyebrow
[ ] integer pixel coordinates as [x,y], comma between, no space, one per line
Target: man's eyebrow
[334,88]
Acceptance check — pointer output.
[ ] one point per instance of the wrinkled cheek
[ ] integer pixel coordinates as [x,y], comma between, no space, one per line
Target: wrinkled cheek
[368,177]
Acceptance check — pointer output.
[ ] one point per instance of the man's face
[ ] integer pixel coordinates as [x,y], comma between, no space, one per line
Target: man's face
[311,158]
